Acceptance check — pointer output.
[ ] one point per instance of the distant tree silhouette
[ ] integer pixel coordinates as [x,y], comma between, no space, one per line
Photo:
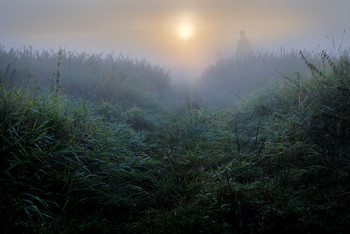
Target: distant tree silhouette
[244,46]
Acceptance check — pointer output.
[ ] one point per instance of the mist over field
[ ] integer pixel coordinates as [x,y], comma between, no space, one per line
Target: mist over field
[151,29]
[155,116]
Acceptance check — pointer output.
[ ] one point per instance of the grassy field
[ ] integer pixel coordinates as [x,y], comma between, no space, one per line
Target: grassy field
[105,144]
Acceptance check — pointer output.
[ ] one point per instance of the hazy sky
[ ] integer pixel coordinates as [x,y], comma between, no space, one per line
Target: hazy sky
[173,33]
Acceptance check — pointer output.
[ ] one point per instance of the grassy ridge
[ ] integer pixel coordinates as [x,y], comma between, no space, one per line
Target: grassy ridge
[60,159]
[95,77]
[229,79]
[278,162]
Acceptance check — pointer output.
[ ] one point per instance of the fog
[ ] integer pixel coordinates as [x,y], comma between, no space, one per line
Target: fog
[149,29]
[174,116]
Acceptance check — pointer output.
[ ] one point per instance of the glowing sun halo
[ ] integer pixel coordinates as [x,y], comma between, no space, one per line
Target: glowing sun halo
[185,30]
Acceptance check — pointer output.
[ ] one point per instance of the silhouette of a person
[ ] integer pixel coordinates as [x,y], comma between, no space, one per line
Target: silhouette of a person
[244,46]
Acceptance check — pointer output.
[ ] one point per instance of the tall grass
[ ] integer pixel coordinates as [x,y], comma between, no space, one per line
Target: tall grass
[58,160]
[276,162]
[229,79]
[95,77]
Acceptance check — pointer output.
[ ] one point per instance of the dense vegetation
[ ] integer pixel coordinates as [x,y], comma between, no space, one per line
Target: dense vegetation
[98,144]
[232,77]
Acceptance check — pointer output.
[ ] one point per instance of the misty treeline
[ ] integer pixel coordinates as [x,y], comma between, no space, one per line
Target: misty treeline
[91,76]
[107,144]
[231,78]
[128,81]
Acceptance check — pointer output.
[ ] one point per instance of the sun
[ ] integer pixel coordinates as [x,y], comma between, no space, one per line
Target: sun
[185,30]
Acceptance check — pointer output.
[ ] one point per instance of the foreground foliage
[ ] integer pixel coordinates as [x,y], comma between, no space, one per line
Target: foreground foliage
[279,162]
